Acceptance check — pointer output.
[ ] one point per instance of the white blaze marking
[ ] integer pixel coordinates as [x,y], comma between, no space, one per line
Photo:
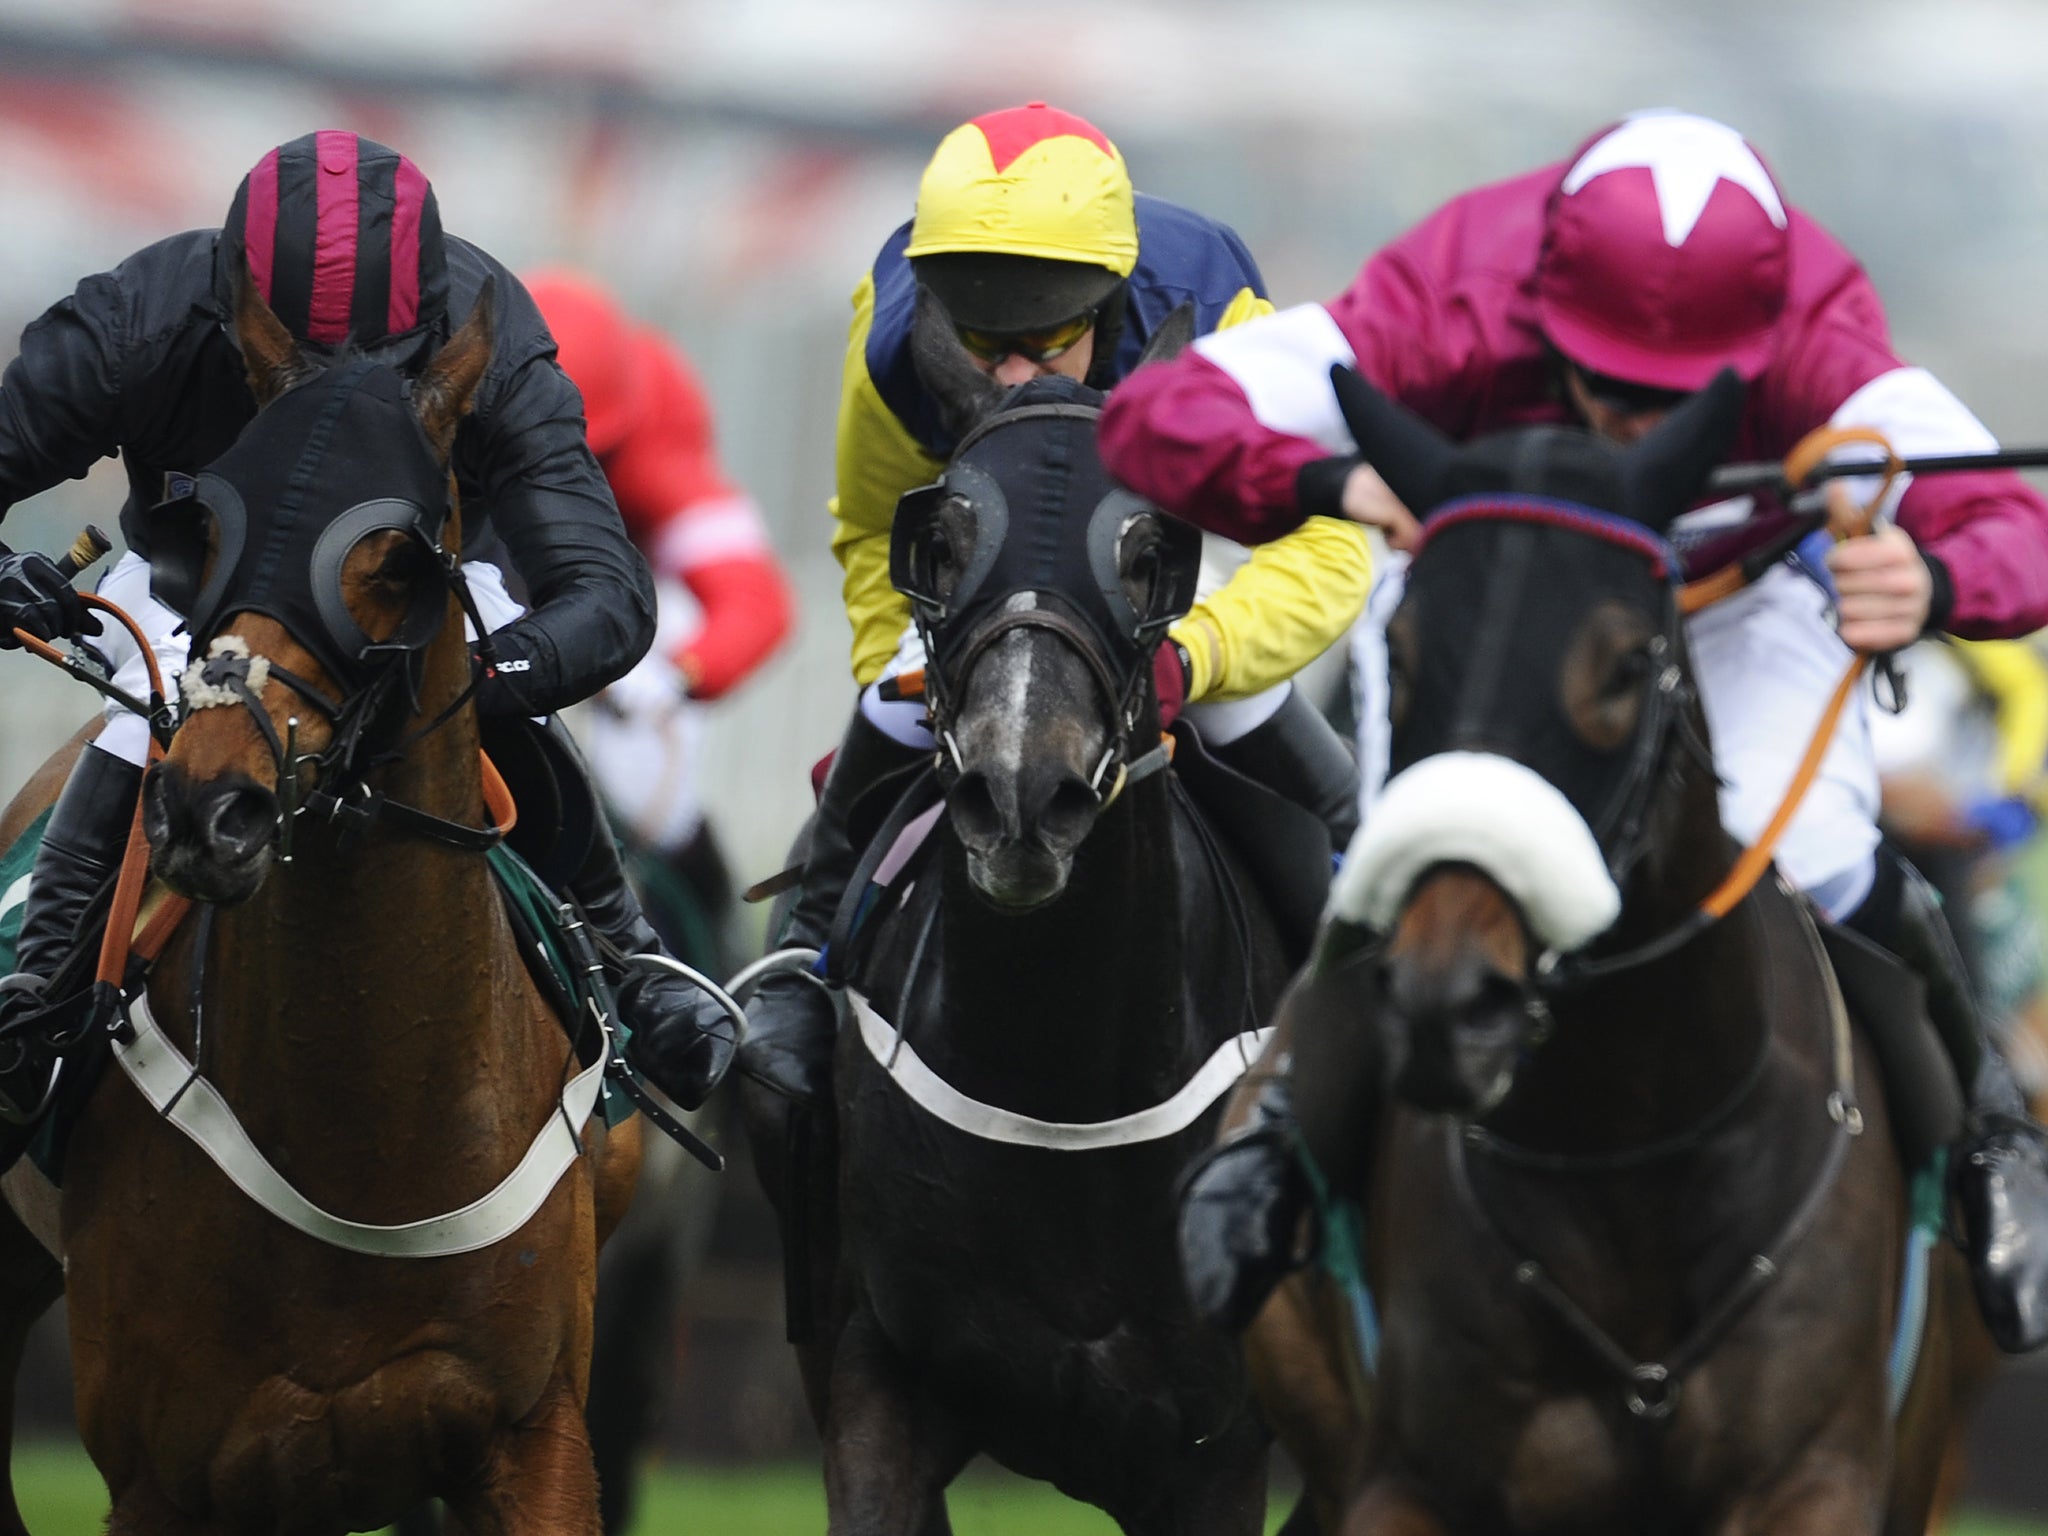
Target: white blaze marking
[1006,747]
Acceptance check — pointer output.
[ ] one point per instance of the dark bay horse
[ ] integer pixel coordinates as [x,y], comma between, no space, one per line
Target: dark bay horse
[1021,1076]
[1633,1222]
[362,1009]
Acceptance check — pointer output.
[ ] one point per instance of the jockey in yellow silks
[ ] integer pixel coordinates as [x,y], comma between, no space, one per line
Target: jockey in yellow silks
[1047,262]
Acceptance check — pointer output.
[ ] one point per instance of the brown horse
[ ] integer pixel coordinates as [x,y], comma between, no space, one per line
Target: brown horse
[1632,1220]
[363,1009]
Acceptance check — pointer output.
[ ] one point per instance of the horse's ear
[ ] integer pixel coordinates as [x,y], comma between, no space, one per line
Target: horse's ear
[1411,455]
[270,353]
[965,394]
[447,385]
[1666,470]
[1172,337]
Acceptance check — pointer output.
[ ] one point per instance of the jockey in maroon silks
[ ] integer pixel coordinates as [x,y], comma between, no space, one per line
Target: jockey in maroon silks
[1601,291]
[342,236]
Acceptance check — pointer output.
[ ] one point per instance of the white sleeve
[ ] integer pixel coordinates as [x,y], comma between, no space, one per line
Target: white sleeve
[1918,415]
[1282,363]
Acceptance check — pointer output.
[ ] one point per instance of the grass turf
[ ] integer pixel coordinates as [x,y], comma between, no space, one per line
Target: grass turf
[61,1495]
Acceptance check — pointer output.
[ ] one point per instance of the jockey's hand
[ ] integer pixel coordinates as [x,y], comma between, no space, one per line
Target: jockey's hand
[499,692]
[1369,500]
[34,596]
[1884,589]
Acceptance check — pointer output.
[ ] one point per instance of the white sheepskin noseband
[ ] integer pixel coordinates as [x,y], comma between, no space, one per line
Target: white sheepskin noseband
[197,693]
[1491,812]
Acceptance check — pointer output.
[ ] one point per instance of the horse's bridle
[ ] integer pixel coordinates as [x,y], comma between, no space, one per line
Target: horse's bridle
[1122,688]
[1125,696]
[1664,718]
[340,790]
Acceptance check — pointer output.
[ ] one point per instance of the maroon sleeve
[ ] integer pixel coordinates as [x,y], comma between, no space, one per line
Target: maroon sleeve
[1221,434]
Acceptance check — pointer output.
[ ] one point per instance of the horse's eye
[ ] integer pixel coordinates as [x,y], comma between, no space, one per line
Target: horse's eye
[1605,670]
[1626,677]
[400,567]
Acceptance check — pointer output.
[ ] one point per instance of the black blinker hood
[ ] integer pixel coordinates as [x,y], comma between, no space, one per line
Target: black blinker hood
[322,467]
[1049,521]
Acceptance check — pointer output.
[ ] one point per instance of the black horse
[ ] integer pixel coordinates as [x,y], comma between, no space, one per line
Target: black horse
[1042,1024]
[1633,1222]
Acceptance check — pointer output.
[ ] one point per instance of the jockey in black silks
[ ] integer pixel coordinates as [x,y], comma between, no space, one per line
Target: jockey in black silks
[342,237]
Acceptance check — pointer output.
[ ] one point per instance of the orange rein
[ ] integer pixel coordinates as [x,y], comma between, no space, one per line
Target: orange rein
[119,938]
[123,935]
[1811,451]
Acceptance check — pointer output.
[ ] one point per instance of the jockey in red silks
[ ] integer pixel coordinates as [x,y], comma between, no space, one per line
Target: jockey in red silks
[723,601]
[1601,291]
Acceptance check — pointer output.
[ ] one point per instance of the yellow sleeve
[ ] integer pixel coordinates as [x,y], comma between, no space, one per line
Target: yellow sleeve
[1246,306]
[878,460]
[2015,678]
[1286,605]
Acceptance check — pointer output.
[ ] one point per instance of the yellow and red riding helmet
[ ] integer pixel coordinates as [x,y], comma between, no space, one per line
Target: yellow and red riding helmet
[1024,220]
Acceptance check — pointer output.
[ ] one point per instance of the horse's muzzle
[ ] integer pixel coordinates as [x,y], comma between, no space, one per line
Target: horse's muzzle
[1020,839]
[211,841]
[1455,983]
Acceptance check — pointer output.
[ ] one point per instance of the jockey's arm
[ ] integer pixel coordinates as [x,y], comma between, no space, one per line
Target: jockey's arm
[1291,600]
[1288,603]
[60,398]
[878,460]
[523,457]
[1977,564]
[699,529]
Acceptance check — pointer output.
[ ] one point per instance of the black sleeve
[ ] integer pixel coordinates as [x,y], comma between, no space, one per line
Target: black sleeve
[60,399]
[524,457]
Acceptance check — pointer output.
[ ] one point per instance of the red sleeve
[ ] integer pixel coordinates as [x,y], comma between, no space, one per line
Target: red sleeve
[746,616]
[696,527]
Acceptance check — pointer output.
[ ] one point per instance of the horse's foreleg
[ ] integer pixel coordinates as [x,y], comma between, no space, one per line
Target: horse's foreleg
[1295,1356]
[30,1279]
[890,1450]
[540,1478]
[1831,1496]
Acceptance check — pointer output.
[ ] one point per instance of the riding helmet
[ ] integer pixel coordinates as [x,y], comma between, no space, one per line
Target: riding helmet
[1024,220]
[1666,254]
[343,238]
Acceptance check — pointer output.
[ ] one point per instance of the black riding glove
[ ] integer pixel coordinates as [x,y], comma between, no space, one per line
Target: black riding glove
[34,596]
[501,690]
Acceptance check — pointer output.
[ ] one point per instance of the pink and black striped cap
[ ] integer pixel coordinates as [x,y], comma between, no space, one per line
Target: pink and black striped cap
[343,239]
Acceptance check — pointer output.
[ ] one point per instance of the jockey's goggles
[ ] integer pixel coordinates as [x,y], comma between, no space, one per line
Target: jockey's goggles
[1628,398]
[1039,346]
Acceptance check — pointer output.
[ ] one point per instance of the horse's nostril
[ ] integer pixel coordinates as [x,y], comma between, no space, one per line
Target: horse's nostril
[156,805]
[972,805]
[1069,812]
[240,821]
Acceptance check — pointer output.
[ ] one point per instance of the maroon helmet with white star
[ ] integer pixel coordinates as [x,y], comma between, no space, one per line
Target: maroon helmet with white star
[1666,254]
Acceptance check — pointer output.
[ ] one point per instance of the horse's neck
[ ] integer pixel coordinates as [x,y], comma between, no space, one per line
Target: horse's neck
[1076,1011]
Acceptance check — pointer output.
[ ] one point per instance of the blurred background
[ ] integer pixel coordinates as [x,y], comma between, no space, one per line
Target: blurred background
[730,166]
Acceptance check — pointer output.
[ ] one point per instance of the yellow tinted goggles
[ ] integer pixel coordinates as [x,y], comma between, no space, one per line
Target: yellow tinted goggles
[1040,346]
